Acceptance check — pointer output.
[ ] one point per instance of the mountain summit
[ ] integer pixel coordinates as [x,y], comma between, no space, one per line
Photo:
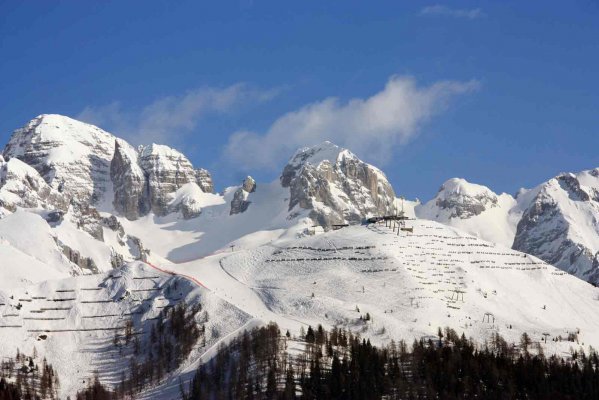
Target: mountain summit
[336,185]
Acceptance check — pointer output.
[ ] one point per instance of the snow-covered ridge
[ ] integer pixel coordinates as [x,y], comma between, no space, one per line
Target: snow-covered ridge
[476,209]
[557,221]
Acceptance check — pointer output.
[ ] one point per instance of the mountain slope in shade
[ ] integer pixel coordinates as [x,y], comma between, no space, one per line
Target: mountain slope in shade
[561,224]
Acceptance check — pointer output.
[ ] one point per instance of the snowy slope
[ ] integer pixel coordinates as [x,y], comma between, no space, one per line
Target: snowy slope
[556,221]
[80,315]
[215,229]
[253,254]
[410,284]
[31,254]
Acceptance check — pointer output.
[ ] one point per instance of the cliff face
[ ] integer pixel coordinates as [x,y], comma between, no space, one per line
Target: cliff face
[129,182]
[561,224]
[240,201]
[71,156]
[91,167]
[336,186]
[166,171]
[22,186]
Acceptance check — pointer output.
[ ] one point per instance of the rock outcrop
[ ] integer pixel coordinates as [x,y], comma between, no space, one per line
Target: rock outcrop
[129,182]
[557,221]
[22,186]
[336,186]
[240,201]
[166,170]
[204,180]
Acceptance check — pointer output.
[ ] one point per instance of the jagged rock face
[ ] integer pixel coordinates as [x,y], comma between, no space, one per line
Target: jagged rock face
[249,185]
[75,257]
[240,201]
[204,180]
[129,182]
[82,163]
[22,186]
[72,157]
[89,220]
[561,224]
[336,186]
[464,200]
[167,170]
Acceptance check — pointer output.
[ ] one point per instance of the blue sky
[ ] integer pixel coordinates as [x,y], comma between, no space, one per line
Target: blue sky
[502,93]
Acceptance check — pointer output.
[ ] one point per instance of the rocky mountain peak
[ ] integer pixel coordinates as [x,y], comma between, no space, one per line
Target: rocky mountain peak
[462,199]
[89,166]
[561,224]
[313,156]
[73,157]
[336,186]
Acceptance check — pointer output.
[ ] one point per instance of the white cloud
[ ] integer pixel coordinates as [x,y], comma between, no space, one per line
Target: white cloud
[438,9]
[372,126]
[169,119]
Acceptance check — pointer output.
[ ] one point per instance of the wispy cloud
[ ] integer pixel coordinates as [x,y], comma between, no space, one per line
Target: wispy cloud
[438,9]
[373,125]
[168,120]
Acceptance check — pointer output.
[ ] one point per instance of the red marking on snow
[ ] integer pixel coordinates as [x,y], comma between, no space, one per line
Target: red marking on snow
[166,271]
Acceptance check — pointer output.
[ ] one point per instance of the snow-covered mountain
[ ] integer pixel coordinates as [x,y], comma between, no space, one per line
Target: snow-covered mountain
[113,234]
[474,209]
[555,221]
[336,186]
[561,223]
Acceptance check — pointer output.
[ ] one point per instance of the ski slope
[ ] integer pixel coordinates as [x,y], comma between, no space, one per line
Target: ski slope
[72,322]
[410,285]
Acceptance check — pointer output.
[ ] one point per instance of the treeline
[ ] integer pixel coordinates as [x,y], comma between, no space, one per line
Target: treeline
[22,378]
[263,364]
[152,356]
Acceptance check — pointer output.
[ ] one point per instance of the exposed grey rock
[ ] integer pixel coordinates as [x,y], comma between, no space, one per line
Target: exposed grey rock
[22,186]
[113,224]
[54,217]
[129,182]
[249,184]
[116,259]
[137,249]
[463,200]
[167,171]
[90,221]
[336,186]
[81,162]
[240,201]
[75,257]
[204,180]
[71,156]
